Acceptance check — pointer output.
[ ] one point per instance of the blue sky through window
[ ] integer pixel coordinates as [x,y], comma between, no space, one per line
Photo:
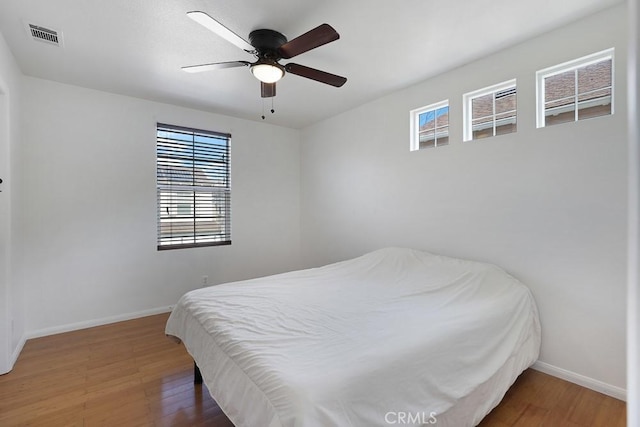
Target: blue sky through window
[431,115]
[184,150]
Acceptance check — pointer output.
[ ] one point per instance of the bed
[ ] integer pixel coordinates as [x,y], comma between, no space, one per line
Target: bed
[396,336]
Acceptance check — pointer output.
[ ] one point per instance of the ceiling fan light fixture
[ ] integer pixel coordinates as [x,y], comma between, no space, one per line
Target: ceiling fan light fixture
[267,72]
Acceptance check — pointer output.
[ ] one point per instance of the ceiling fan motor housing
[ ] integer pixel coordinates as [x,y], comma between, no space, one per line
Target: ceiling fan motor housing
[267,42]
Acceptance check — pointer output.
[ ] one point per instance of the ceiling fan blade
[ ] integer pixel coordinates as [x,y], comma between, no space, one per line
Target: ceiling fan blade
[317,75]
[214,66]
[320,35]
[267,90]
[213,25]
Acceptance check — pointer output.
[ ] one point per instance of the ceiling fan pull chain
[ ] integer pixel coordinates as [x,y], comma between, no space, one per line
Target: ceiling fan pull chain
[262,108]
[272,110]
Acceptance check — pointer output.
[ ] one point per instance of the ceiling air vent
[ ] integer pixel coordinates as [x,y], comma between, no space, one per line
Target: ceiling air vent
[46,35]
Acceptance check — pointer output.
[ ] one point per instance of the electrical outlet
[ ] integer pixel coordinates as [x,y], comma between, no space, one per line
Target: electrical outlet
[205,281]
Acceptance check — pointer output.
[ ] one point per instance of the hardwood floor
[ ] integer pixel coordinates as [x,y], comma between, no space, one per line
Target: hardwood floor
[538,399]
[130,374]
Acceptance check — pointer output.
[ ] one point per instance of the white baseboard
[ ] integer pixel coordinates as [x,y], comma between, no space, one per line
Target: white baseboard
[13,357]
[17,350]
[581,380]
[97,322]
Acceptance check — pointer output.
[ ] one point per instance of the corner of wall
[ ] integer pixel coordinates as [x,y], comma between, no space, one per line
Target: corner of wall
[12,336]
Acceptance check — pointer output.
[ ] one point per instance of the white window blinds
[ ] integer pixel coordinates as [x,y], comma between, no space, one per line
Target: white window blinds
[193,187]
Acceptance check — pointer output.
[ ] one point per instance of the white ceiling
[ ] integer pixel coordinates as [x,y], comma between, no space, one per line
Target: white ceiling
[136,47]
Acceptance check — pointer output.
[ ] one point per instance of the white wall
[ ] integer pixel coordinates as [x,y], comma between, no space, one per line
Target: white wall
[5,231]
[11,298]
[633,307]
[549,205]
[89,206]
[11,309]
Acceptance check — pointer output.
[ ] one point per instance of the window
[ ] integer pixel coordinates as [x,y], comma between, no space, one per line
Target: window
[490,111]
[430,126]
[576,90]
[193,188]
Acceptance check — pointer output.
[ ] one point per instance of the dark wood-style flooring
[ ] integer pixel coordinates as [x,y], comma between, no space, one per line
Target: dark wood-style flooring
[130,374]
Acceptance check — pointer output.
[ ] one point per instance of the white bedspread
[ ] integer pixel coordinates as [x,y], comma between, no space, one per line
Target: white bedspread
[362,342]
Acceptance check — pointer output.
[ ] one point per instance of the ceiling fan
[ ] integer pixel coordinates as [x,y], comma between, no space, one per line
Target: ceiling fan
[269,46]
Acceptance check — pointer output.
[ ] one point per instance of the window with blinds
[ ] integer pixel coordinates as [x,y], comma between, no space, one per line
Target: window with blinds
[193,187]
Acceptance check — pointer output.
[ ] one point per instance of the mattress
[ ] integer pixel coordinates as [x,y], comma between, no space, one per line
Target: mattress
[396,336]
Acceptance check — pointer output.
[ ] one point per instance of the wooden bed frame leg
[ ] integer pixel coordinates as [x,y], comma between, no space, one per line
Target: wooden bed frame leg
[197,376]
